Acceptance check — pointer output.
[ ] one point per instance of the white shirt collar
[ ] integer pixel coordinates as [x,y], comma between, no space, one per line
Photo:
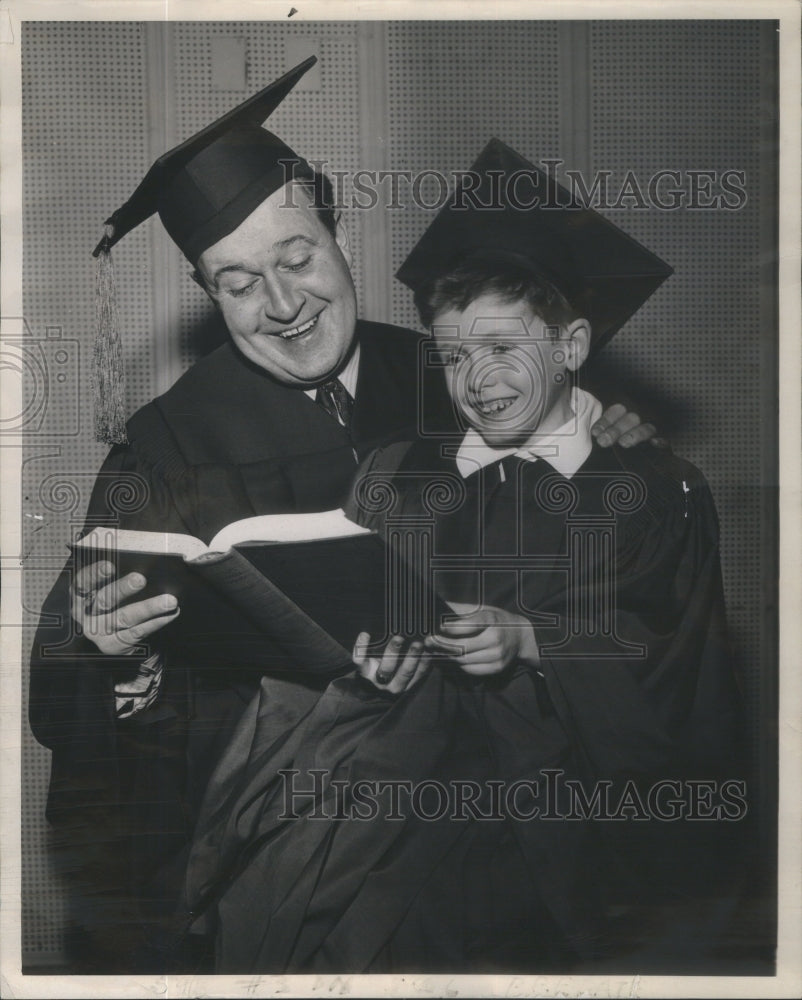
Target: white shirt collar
[347,376]
[565,449]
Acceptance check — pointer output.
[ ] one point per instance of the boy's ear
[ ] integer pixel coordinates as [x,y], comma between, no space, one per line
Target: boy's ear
[577,342]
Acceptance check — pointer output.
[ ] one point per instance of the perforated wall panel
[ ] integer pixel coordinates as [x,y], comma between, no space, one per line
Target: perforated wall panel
[84,122]
[452,86]
[697,343]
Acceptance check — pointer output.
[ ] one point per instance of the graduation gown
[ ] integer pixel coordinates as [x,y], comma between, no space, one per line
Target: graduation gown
[225,442]
[634,687]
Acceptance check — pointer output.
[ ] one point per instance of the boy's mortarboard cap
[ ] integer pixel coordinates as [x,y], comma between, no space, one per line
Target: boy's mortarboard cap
[202,190]
[506,208]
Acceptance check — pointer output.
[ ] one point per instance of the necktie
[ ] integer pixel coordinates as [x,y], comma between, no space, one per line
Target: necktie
[335,400]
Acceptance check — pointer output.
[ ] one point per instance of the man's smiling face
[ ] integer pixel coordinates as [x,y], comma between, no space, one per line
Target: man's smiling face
[283,285]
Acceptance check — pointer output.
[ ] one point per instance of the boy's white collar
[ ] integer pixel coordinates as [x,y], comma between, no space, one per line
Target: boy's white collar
[565,449]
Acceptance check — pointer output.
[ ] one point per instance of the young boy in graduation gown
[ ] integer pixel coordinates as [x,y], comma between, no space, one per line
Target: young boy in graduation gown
[527,803]
[274,421]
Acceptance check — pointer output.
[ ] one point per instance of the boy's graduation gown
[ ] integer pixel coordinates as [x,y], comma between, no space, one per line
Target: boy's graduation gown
[348,895]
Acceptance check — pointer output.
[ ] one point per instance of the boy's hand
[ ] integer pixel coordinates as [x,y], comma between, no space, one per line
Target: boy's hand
[396,671]
[95,595]
[618,426]
[486,640]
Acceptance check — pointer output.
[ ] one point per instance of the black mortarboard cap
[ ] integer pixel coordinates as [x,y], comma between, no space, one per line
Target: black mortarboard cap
[204,188]
[506,208]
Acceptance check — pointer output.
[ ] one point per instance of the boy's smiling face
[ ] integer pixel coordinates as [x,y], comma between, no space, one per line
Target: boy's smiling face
[506,370]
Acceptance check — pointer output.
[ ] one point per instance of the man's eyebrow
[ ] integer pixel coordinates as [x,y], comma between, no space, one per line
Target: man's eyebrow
[290,240]
[229,267]
[280,245]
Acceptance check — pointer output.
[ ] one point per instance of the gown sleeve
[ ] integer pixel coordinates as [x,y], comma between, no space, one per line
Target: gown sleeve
[653,712]
[72,703]
[656,688]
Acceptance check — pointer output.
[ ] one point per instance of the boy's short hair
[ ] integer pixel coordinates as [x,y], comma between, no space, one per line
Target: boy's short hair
[473,276]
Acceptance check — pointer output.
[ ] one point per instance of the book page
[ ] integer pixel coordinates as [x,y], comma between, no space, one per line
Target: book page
[286,528]
[148,542]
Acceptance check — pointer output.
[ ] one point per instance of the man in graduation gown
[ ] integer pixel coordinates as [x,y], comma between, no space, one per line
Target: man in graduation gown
[273,421]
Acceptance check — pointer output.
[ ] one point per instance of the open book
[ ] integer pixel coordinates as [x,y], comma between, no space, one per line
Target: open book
[282,591]
[266,529]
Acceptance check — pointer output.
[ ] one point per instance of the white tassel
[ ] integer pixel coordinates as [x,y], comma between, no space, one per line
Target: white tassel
[109,375]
